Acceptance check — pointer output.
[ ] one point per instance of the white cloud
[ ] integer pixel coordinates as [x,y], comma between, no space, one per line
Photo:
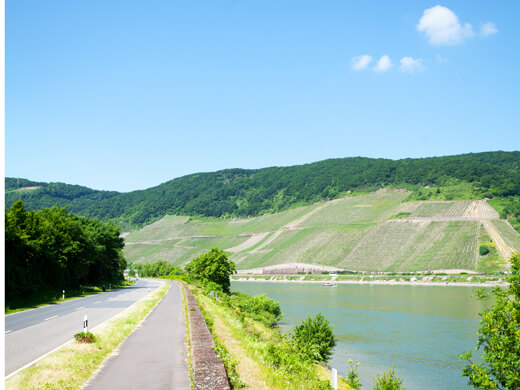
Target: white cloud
[488,29]
[383,64]
[361,62]
[410,65]
[442,26]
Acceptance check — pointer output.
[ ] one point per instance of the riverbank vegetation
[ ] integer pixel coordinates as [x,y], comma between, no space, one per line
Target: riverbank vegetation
[498,338]
[256,353]
[52,250]
[261,355]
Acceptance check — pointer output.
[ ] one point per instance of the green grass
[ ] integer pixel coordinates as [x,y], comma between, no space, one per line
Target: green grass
[353,232]
[44,298]
[491,262]
[401,246]
[444,209]
[456,191]
[510,236]
[401,214]
[254,350]
[354,210]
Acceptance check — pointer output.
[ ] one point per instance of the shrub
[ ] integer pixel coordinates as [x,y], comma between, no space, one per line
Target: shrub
[483,250]
[315,337]
[260,307]
[263,309]
[389,381]
[353,376]
[82,337]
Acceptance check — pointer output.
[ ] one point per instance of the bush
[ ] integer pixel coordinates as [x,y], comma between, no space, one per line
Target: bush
[259,308]
[263,309]
[353,375]
[315,337]
[82,337]
[389,381]
[483,250]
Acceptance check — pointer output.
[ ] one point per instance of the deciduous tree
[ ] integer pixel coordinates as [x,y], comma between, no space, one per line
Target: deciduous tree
[499,338]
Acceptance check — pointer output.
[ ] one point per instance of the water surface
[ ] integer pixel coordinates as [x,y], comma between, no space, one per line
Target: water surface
[420,329]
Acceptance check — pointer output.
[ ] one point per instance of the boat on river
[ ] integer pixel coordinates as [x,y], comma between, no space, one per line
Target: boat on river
[329,284]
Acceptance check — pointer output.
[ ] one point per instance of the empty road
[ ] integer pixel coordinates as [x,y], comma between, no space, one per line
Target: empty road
[33,333]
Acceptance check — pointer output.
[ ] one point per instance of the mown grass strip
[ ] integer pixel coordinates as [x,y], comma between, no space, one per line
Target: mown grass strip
[71,366]
[246,344]
[187,326]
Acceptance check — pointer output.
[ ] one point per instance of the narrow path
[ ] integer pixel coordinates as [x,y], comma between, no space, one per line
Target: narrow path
[154,355]
[503,248]
[253,240]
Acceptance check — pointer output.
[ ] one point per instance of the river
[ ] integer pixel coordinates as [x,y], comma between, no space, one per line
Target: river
[420,329]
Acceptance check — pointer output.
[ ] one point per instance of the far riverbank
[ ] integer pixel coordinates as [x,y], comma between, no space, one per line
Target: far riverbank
[426,281]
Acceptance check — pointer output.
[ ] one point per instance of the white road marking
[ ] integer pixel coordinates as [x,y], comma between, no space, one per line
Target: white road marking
[50,318]
[8,331]
[79,308]
[34,361]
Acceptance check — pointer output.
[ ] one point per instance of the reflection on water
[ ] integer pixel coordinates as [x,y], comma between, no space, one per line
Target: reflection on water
[420,329]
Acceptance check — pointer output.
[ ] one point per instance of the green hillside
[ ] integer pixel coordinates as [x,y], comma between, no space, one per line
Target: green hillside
[355,232]
[246,192]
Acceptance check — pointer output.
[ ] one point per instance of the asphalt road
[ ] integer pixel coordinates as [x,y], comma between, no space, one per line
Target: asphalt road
[154,355]
[33,333]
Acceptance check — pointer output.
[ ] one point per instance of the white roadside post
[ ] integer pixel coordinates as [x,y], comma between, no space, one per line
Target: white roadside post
[85,324]
[63,293]
[334,380]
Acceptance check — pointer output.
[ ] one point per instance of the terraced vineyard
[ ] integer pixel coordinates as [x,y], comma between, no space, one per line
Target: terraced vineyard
[355,233]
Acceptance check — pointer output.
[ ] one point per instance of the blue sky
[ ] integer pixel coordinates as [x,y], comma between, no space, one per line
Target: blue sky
[125,95]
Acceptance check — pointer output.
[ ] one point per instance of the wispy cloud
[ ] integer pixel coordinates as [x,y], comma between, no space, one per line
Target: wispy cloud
[383,64]
[488,29]
[361,62]
[411,65]
[442,27]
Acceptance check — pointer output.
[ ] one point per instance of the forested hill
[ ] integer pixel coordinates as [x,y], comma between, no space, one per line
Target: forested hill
[247,192]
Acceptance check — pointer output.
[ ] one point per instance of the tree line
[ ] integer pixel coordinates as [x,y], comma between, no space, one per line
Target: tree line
[247,192]
[53,249]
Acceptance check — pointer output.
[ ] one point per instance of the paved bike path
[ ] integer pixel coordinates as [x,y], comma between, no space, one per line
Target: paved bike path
[154,355]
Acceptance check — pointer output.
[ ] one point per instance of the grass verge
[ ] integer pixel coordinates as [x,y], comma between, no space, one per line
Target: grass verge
[188,339]
[44,298]
[71,366]
[251,347]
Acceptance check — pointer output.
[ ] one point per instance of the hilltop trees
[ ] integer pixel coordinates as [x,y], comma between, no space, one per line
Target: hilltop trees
[52,249]
[499,336]
[213,266]
[248,192]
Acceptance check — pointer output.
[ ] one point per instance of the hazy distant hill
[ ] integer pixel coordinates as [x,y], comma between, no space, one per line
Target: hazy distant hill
[247,192]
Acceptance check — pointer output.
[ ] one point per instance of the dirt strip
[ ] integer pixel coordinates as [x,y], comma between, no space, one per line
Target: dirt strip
[209,372]
[503,248]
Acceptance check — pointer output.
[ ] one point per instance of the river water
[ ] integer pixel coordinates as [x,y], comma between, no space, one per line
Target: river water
[420,329]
